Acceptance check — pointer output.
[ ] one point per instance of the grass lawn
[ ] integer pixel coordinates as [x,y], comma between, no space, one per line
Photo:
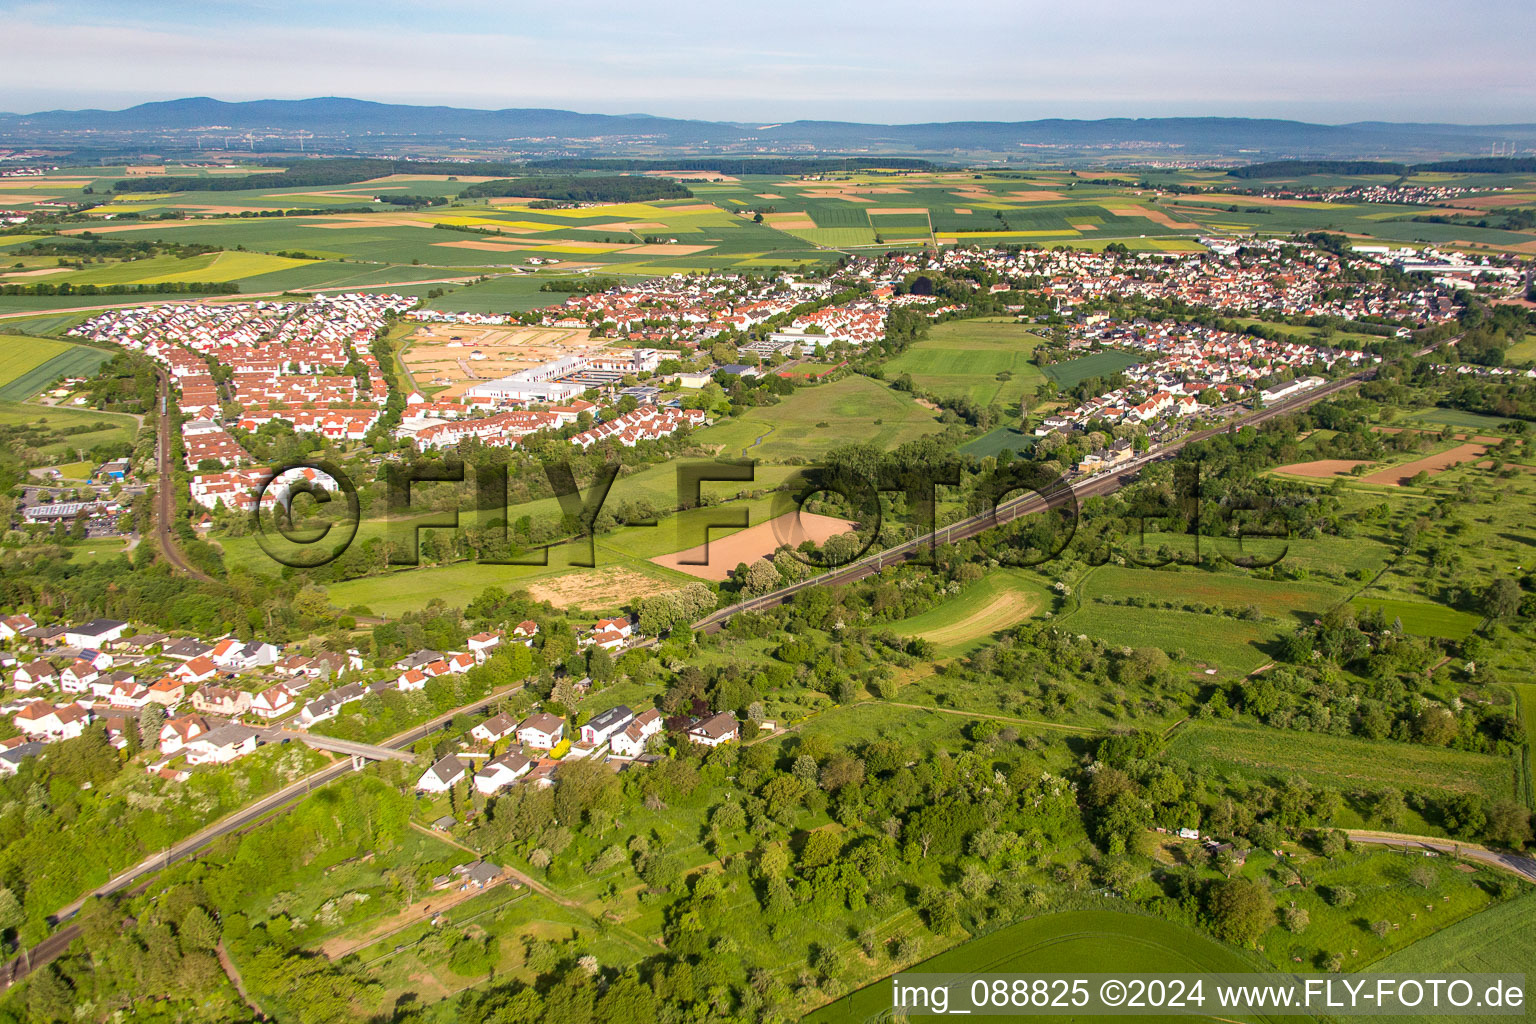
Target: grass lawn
[806,424]
[1002,599]
[1342,762]
[997,440]
[1458,418]
[1234,645]
[985,360]
[1274,598]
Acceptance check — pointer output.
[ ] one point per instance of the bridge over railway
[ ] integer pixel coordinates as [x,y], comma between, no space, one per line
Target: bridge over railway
[360,753]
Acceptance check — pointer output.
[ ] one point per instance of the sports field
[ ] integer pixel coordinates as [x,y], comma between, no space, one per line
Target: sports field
[984,360]
[1080,940]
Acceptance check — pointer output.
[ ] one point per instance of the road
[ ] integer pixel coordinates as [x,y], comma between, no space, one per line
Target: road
[1525,867]
[54,946]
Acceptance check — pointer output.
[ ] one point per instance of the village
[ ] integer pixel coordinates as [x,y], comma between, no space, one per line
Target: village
[183,703]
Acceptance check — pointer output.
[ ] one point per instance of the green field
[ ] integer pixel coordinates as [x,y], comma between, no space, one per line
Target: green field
[1459,418]
[1500,940]
[998,601]
[1099,364]
[805,424]
[1081,940]
[118,427]
[1237,647]
[1341,762]
[986,361]
[72,361]
[998,439]
[1423,618]
[20,355]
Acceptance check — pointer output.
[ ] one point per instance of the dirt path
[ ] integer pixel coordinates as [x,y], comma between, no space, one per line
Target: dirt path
[233,974]
[1525,867]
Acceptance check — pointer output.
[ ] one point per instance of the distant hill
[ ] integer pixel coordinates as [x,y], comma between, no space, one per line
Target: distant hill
[339,124]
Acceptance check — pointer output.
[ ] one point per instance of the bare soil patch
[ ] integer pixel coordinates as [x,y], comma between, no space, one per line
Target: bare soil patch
[1399,475]
[667,250]
[1322,469]
[486,246]
[789,221]
[753,543]
[454,356]
[598,588]
[1037,196]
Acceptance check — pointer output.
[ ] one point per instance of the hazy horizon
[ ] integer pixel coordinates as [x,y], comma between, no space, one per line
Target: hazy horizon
[887,63]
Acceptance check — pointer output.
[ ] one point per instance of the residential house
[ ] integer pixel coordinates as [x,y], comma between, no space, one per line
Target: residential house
[196,670]
[34,674]
[16,750]
[221,700]
[442,776]
[128,694]
[186,649]
[273,702]
[495,728]
[14,625]
[541,731]
[167,690]
[501,772]
[46,636]
[328,705]
[96,633]
[481,644]
[46,722]
[631,740]
[223,745]
[716,729]
[103,685]
[602,727]
[78,676]
[178,732]
[526,631]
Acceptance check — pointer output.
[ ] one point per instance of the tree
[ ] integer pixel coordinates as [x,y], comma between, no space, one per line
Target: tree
[1241,911]
[1296,920]
[1381,928]
[1501,600]
[1423,876]
[11,914]
[151,721]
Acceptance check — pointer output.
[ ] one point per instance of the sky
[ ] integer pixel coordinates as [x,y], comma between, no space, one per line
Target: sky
[889,62]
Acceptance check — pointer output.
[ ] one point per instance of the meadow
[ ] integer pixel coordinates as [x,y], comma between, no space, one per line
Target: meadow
[1099,364]
[809,421]
[1000,600]
[1075,941]
[106,427]
[1500,940]
[1340,762]
[985,360]
[20,355]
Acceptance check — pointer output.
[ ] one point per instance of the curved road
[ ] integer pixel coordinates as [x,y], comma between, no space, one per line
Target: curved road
[1525,867]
